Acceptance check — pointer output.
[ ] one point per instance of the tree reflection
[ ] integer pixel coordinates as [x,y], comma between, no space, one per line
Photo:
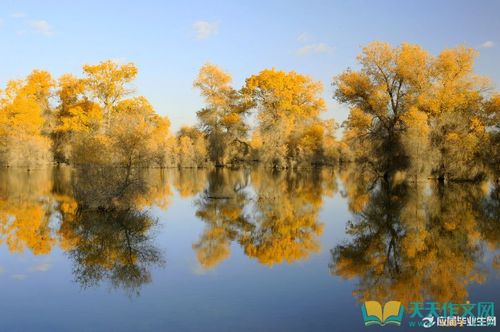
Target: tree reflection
[98,216]
[275,220]
[407,240]
[221,207]
[412,242]
[25,208]
[190,181]
[108,237]
[489,219]
[285,216]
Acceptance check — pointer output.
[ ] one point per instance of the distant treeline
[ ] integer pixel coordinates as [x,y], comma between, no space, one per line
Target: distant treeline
[410,113]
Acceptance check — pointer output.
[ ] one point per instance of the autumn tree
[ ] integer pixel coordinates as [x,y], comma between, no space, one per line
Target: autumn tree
[223,118]
[23,115]
[416,113]
[40,86]
[191,147]
[75,117]
[491,119]
[289,129]
[379,94]
[96,124]
[454,103]
[416,142]
[107,83]
[139,135]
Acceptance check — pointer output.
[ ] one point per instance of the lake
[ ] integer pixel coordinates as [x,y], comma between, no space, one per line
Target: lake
[235,250]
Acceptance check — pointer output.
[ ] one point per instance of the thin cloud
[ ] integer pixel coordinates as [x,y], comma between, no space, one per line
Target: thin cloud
[42,267]
[488,44]
[18,15]
[43,27]
[205,29]
[310,47]
[304,38]
[120,61]
[313,49]
[18,277]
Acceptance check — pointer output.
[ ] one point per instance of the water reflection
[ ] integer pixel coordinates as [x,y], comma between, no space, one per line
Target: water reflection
[416,241]
[25,207]
[273,216]
[406,241]
[108,234]
[98,216]
[222,207]
[285,215]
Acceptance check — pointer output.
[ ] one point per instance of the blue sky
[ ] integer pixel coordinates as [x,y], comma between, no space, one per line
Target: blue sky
[169,42]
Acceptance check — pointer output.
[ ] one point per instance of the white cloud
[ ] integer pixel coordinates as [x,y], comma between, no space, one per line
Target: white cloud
[120,61]
[304,38]
[205,29]
[43,27]
[41,267]
[18,15]
[313,49]
[488,44]
[18,277]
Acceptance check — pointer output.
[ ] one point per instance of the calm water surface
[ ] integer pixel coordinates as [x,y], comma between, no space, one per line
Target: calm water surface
[235,250]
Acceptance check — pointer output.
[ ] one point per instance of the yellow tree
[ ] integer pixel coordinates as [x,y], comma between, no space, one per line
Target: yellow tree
[454,105]
[22,122]
[222,120]
[191,147]
[288,103]
[411,111]
[491,118]
[107,82]
[417,143]
[379,94]
[39,86]
[139,134]
[75,116]
[104,127]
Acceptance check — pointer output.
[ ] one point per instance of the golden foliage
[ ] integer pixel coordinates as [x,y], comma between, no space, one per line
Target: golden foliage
[222,120]
[22,121]
[408,106]
[289,105]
